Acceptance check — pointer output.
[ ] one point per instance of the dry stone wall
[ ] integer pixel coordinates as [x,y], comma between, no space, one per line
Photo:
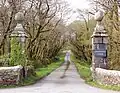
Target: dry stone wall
[107,77]
[10,75]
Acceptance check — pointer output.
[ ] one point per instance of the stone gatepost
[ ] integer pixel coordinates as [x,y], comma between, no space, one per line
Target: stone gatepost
[99,44]
[19,35]
[19,32]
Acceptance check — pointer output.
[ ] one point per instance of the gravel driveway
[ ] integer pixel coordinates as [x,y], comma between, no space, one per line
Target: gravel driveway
[72,83]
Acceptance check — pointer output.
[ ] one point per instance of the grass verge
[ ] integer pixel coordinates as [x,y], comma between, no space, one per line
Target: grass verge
[40,73]
[84,70]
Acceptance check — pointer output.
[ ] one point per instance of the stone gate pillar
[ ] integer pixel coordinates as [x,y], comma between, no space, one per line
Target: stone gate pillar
[19,32]
[99,43]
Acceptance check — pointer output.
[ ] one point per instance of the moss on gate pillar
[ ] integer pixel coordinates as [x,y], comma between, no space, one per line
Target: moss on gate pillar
[18,37]
[99,44]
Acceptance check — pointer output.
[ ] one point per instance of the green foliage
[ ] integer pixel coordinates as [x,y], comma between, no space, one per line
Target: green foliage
[111,22]
[81,47]
[17,56]
[4,60]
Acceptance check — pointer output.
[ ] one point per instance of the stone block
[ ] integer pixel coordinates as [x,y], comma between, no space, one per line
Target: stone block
[10,75]
[107,77]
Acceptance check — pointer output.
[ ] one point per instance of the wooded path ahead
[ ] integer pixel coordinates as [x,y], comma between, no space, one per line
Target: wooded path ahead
[72,83]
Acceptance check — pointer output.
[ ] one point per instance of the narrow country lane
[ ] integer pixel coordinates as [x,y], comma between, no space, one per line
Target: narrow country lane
[72,83]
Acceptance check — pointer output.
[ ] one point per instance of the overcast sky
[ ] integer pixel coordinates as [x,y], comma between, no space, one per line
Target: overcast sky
[78,4]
